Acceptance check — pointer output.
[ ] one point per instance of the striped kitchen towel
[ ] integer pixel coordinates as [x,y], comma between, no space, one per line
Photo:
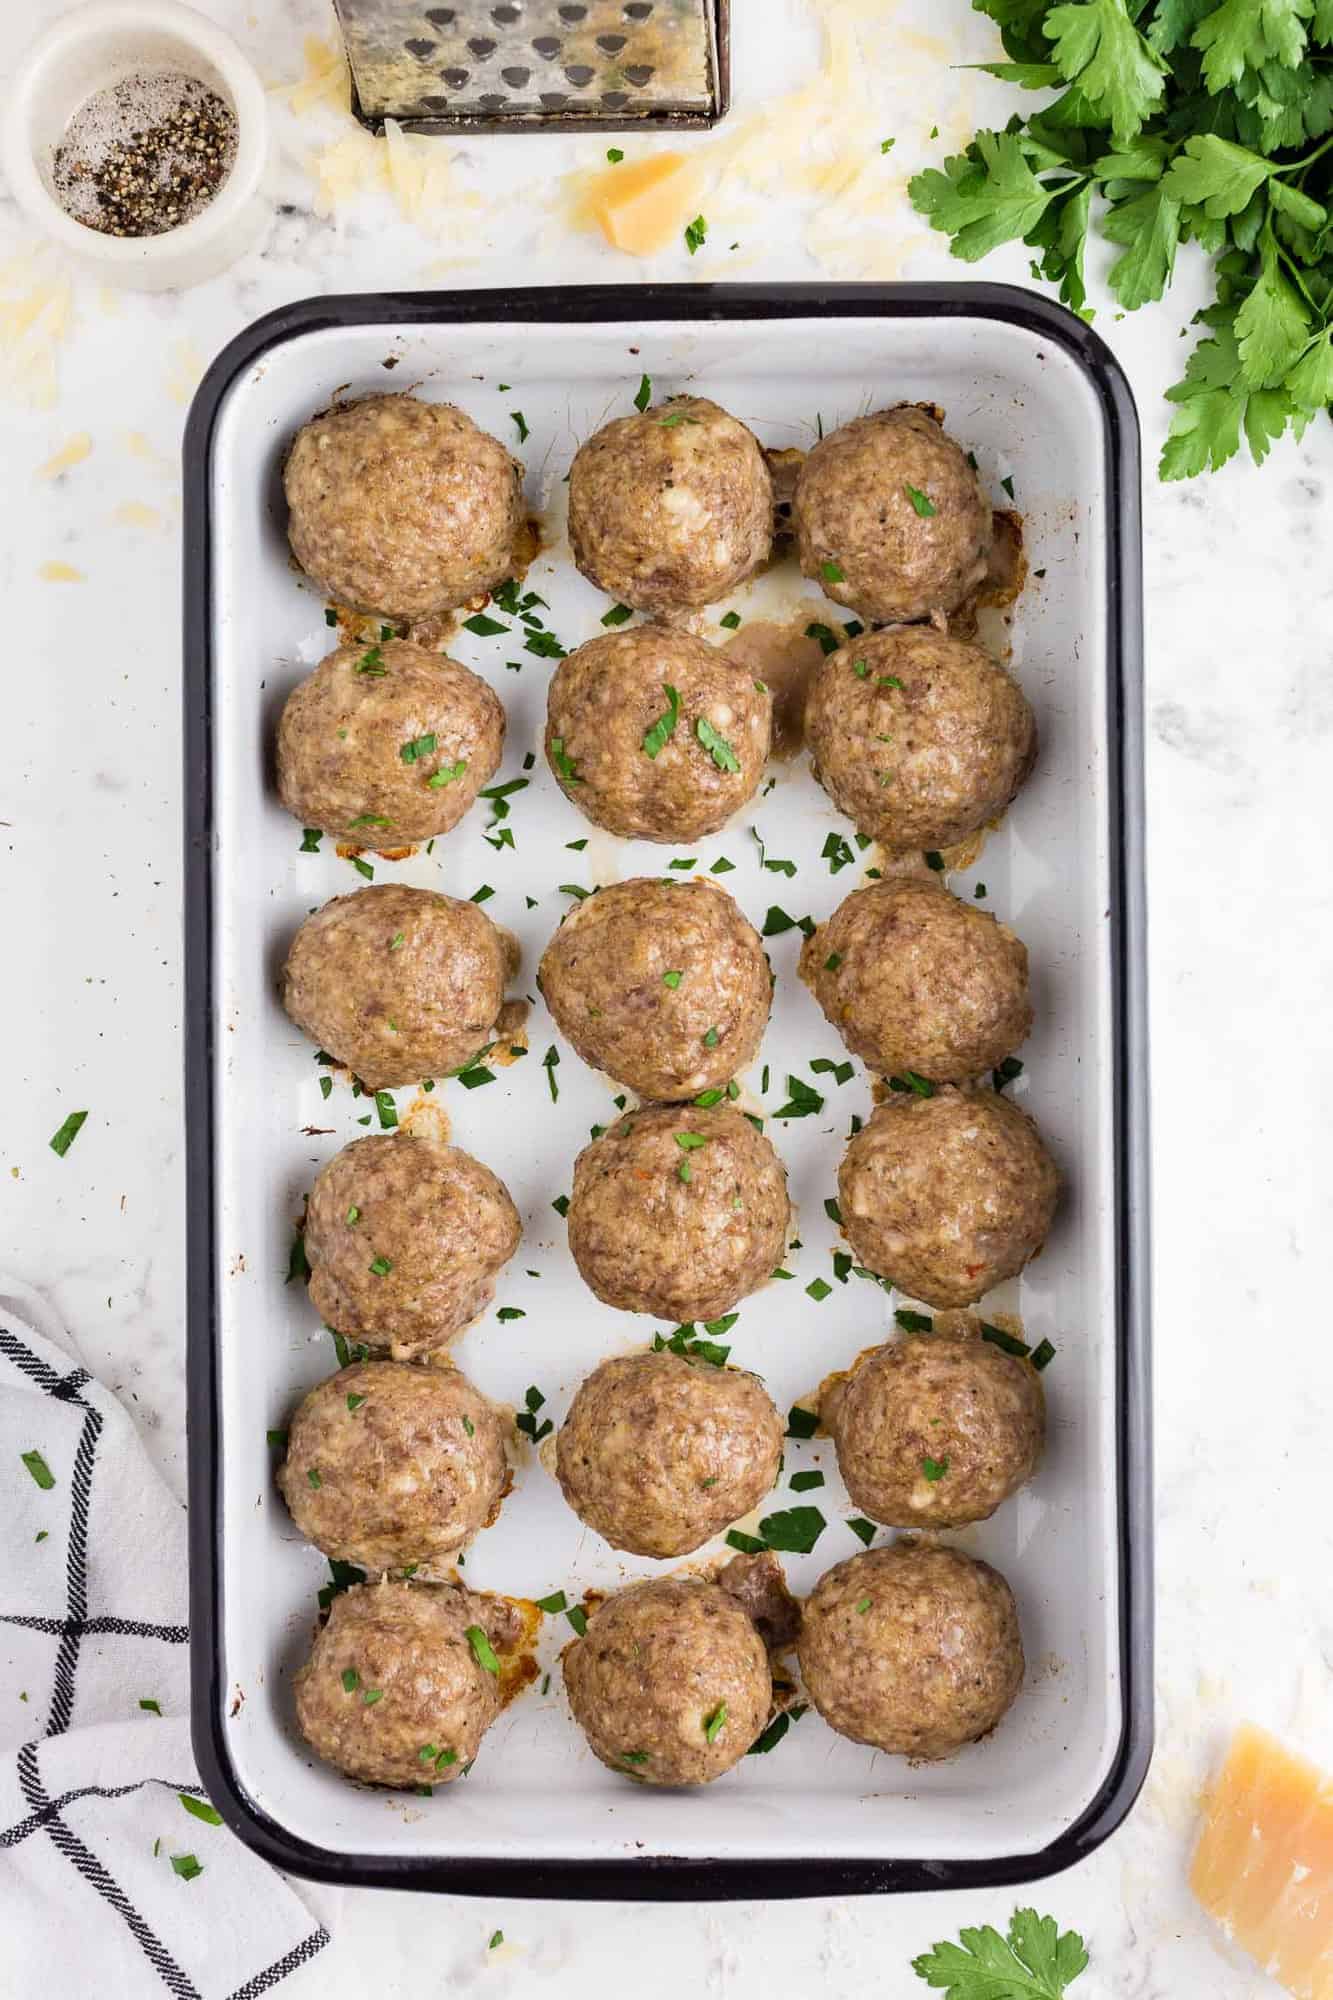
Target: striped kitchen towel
[116,1875]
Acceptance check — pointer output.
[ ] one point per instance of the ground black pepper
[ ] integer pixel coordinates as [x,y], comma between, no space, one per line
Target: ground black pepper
[145,155]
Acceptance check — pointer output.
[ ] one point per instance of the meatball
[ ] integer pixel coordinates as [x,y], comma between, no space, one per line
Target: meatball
[672,508]
[396,983]
[913,1649]
[405,1238]
[662,984]
[678,1210]
[947,1195]
[659,1453]
[388,743]
[890,517]
[655,735]
[935,1430]
[913,979]
[389,1464]
[918,737]
[401,507]
[670,1683]
[398,1670]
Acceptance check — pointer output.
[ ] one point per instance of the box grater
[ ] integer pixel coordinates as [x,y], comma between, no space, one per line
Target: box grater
[538,65]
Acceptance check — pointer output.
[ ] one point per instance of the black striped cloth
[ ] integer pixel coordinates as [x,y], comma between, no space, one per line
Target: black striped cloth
[114,1876]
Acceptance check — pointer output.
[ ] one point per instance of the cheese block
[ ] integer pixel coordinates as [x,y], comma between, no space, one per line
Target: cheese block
[644,206]
[1264,1863]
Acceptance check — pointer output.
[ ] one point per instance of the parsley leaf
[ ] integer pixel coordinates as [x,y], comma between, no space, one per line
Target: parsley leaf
[664,728]
[1097,48]
[1035,1961]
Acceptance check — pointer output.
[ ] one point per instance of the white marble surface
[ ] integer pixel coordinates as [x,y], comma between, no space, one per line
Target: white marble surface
[1240,704]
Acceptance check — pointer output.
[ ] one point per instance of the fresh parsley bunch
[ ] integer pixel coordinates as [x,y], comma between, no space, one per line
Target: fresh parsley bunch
[1207,121]
[1036,1961]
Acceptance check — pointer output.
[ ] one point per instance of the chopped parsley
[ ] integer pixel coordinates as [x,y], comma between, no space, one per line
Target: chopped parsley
[484,627]
[749,1545]
[482,895]
[39,1469]
[634,1756]
[805,1482]
[153,1707]
[526,1418]
[371,664]
[729,620]
[715,1723]
[795,1530]
[561,1204]
[187,1866]
[920,1086]
[200,1809]
[671,979]
[979,891]
[934,1469]
[1009,1343]
[447,774]
[381,1266]
[298,1265]
[841,1072]
[617,615]
[802,1100]
[801,1423]
[615,155]
[416,747]
[549,1063]
[664,728]
[827,639]
[482,1650]
[837,853]
[498,1937]
[565,766]
[922,502]
[521,425]
[832,572]
[313,1479]
[643,395]
[1008,485]
[544,645]
[310,839]
[354,1403]
[833,961]
[863,1530]
[722,866]
[578,1618]
[62,1140]
[934,859]
[1042,1355]
[818,1290]
[914,1322]
[717,746]
[696,234]
[557,1601]
[385,1106]
[363,867]
[769,1738]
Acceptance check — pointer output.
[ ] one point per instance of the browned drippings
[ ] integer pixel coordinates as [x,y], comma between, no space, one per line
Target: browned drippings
[527,547]
[518,1664]
[426,1118]
[346,850]
[785,658]
[1006,574]
[511,1034]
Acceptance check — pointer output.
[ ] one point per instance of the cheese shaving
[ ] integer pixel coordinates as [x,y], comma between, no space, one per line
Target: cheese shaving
[59,572]
[72,452]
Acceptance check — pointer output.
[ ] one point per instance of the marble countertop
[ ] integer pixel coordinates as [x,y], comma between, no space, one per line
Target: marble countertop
[1240,714]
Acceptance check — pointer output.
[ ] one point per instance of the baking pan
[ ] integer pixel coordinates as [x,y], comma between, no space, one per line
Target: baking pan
[1045,408]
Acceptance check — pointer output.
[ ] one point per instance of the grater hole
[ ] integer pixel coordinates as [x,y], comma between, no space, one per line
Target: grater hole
[547,46]
[639,73]
[639,10]
[456,78]
[573,14]
[504,17]
[612,44]
[419,49]
[440,17]
[554,100]
[489,101]
[516,78]
[580,75]
[436,103]
[481,49]
[614,100]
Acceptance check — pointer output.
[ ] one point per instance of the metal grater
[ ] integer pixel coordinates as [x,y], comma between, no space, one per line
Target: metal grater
[538,65]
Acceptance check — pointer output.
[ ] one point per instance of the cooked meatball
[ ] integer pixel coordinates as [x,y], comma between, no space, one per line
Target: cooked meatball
[917,737]
[670,1683]
[913,979]
[396,983]
[947,1195]
[401,507]
[389,743]
[672,508]
[890,517]
[405,1238]
[655,735]
[678,1210]
[659,1453]
[914,1649]
[389,1464]
[662,984]
[397,1671]
[935,1429]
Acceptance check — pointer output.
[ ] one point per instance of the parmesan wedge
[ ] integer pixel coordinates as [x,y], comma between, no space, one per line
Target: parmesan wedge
[1263,1867]
[641,208]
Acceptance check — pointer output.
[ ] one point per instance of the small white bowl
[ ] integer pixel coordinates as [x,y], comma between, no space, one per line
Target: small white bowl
[84,51]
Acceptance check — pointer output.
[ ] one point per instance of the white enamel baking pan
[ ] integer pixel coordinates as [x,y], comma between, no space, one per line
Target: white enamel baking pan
[1038,398]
